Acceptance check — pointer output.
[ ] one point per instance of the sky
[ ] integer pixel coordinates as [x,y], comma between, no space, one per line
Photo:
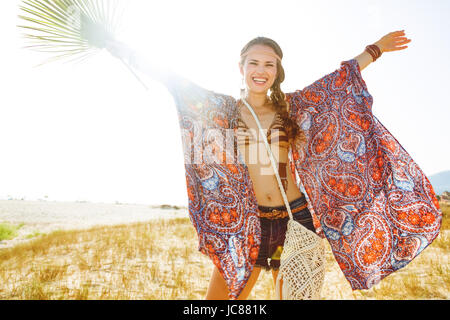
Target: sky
[91,132]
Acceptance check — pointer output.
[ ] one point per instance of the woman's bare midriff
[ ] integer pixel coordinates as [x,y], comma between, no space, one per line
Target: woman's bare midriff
[265,183]
[266,188]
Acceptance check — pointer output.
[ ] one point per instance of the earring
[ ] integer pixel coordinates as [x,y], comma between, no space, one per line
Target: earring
[243,88]
[242,84]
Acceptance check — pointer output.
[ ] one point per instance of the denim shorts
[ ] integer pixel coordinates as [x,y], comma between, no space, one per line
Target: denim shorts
[273,231]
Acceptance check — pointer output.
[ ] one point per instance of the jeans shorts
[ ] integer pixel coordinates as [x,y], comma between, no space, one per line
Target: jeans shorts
[273,231]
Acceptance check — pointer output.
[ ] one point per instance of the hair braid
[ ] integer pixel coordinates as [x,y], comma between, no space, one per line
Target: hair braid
[295,134]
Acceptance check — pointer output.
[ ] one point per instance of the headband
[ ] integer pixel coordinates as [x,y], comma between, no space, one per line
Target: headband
[267,51]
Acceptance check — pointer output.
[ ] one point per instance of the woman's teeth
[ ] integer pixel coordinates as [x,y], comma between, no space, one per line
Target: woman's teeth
[260,80]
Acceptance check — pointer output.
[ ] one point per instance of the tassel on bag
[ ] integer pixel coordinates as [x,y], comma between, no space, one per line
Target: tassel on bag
[302,268]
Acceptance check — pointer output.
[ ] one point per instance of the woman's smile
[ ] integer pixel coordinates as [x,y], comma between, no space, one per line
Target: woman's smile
[259,81]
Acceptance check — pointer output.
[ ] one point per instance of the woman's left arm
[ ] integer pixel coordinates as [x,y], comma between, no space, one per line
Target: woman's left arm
[393,41]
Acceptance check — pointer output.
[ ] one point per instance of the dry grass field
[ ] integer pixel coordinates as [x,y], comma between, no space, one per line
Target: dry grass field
[159,260]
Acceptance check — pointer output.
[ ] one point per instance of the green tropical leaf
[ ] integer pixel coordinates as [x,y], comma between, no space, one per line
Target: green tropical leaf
[71,29]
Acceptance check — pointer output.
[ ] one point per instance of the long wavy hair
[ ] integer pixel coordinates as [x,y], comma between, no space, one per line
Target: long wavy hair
[278,98]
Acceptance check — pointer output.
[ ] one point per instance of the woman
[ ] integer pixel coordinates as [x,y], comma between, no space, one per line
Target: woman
[363,189]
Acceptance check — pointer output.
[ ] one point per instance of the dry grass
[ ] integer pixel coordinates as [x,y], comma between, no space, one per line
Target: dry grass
[159,260]
[445,207]
[153,260]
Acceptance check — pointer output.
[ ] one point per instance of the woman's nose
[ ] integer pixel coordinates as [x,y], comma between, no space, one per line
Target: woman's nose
[260,68]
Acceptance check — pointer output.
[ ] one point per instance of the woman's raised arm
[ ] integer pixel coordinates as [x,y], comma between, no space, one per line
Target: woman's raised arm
[189,97]
[155,70]
[393,41]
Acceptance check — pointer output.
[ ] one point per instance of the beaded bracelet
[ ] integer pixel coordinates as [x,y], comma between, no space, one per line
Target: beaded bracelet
[374,51]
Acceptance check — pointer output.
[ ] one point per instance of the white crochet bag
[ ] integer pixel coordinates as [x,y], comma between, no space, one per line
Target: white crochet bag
[302,268]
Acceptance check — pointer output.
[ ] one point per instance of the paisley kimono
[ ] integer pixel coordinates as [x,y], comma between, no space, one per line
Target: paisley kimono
[368,198]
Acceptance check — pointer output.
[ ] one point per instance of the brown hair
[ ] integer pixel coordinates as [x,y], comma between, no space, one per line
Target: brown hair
[278,98]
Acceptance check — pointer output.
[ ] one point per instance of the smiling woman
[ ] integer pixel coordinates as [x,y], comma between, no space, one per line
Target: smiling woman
[234,200]
[261,68]
[349,180]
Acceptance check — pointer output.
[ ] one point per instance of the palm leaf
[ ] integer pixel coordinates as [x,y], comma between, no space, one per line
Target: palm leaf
[70,29]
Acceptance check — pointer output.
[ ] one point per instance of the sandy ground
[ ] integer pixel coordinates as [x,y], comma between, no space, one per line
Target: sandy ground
[47,216]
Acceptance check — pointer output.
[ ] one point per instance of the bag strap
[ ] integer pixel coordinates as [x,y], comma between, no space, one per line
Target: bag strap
[272,159]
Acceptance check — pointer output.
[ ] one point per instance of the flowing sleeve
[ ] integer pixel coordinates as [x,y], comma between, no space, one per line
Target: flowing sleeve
[374,204]
[222,204]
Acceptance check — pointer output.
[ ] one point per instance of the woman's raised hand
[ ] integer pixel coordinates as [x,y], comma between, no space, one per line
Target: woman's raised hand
[118,49]
[137,61]
[393,41]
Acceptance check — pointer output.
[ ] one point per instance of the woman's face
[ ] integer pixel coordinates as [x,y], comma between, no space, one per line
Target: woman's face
[259,69]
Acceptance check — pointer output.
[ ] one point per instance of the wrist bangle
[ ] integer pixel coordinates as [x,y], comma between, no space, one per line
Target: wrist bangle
[374,51]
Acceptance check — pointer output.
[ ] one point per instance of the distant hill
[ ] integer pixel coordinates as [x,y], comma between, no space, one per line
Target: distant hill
[440,181]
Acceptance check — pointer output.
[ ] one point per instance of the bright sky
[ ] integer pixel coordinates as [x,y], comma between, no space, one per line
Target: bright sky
[91,132]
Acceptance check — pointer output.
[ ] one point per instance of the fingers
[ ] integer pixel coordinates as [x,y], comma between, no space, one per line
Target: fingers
[395,41]
[399,41]
[118,49]
[399,32]
[399,48]
[402,41]
[396,34]
[395,48]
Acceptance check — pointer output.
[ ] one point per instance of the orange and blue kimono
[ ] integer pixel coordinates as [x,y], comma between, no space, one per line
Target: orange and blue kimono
[368,197]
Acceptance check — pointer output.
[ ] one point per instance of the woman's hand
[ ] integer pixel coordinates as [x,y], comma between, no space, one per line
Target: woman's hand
[140,62]
[118,49]
[393,41]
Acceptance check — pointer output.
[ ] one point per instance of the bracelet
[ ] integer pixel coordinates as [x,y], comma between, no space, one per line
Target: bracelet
[374,51]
